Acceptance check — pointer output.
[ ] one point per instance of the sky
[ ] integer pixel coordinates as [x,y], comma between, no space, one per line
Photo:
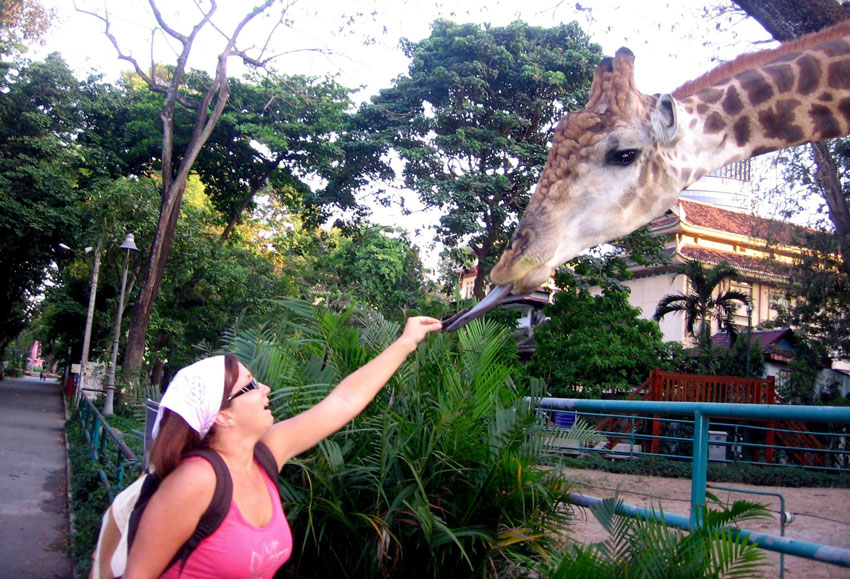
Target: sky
[357,41]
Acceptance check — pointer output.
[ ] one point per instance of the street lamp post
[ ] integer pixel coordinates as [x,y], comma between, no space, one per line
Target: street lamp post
[128,245]
[749,335]
[95,271]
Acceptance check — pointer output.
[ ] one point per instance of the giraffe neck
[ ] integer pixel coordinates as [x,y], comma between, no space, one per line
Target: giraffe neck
[793,98]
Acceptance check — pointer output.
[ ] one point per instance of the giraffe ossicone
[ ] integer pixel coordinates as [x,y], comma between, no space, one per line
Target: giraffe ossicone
[625,158]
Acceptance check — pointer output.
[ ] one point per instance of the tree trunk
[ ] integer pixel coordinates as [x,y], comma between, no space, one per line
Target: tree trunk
[207,112]
[160,247]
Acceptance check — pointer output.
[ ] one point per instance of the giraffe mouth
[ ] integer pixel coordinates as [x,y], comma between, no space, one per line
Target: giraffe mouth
[490,301]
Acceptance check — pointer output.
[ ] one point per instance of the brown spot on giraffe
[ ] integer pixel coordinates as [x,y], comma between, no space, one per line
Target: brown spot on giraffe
[714,123]
[825,98]
[755,84]
[835,48]
[838,75]
[741,130]
[711,95]
[844,108]
[684,174]
[732,104]
[692,125]
[628,197]
[702,108]
[825,124]
[809,74]
[777,122]
[643,176]
[782,76]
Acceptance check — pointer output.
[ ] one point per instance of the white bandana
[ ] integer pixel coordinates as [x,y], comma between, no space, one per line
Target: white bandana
[195,394]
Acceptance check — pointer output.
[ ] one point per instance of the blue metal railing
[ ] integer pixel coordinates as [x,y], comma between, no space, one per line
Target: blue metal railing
[106,449]
[731,442]
[702,413]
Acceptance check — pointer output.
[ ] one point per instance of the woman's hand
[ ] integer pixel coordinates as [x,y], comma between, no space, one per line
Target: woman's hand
[417,328]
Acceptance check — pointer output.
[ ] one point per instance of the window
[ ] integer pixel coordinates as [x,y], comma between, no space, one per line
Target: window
[746,288]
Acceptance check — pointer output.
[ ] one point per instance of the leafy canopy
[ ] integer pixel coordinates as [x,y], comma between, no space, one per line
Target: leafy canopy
[472,120]
[595,343]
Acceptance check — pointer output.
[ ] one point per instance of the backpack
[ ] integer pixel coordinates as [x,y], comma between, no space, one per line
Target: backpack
[121,520]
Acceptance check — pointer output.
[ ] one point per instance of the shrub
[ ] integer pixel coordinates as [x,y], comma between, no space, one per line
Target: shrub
[438,478]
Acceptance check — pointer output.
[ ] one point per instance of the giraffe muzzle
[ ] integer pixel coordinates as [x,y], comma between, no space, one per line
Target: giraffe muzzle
[490,301]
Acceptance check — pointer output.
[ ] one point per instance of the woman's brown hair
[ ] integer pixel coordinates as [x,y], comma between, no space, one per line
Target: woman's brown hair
[176,438]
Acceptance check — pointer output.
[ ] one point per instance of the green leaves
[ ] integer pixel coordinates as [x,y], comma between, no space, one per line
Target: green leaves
[649,549]
[595,343]
[473,117]
[438,477]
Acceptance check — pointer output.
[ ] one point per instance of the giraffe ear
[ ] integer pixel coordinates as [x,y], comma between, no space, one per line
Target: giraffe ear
[665,119]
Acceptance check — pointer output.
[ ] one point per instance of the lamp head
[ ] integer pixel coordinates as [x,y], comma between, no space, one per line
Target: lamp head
[129,243]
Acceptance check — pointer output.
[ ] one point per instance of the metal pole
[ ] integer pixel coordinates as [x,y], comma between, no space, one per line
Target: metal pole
[108,404]
[95,271]
[749,335]
[699,469]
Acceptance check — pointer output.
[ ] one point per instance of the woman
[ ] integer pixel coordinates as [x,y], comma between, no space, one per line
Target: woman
[217,403]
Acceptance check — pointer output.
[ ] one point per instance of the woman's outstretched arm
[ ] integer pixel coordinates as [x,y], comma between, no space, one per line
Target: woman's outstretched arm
[293,436]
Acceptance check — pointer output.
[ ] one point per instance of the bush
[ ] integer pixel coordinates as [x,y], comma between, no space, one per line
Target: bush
[437,478]
[89,500]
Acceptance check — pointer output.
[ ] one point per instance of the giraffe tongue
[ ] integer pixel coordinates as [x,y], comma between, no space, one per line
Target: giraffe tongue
[492,300]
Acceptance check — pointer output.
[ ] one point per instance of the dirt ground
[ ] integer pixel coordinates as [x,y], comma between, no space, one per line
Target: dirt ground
[820,515]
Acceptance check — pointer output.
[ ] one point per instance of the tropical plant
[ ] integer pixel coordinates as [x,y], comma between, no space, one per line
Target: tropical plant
[596,343]
[440,477]
[706,302]
[637,548]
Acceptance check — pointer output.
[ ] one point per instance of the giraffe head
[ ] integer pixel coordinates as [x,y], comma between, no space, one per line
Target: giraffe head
[608,172]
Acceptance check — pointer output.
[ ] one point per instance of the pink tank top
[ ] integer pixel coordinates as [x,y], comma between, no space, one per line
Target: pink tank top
[238,548]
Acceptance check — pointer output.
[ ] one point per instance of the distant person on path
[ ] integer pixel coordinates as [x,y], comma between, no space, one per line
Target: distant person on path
[216,403]
[42,375]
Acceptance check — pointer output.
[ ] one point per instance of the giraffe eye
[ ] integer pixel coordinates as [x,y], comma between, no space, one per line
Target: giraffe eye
[621,157]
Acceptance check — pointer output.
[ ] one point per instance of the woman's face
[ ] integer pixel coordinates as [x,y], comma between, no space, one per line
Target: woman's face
[249,399]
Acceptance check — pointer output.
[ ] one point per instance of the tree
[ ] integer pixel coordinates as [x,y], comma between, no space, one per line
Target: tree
[41,112]
[592,344]
[279,131]
[22,22]
[472,120]
[207,106]
[817,295]
[706,302]
[378,266]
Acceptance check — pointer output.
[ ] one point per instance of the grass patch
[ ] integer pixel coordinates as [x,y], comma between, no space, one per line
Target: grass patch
[733,473]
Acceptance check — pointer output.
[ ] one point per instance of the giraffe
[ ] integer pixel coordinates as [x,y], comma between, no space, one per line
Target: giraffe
[623,161]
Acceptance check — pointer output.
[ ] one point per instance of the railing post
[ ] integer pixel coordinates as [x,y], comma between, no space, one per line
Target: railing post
[95,437]
[655,394]
[699,471]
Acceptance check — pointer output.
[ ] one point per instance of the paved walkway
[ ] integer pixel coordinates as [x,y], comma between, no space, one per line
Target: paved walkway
[33,506]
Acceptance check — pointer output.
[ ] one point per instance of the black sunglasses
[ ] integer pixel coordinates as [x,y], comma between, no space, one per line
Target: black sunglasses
[253,385]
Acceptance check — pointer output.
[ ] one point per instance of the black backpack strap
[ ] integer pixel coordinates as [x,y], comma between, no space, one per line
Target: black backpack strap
[216,512]
[264,456]
[148,489]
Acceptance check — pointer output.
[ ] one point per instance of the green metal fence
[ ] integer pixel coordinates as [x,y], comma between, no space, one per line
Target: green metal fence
[703,412]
